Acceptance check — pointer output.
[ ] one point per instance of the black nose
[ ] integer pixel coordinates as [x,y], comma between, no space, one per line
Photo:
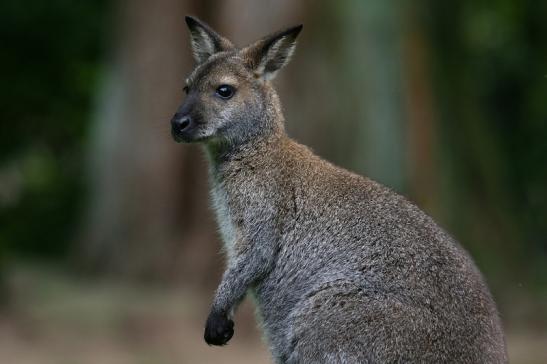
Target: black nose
[180,123]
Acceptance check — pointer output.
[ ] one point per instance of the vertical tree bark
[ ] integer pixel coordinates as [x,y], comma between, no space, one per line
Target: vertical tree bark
[421,132]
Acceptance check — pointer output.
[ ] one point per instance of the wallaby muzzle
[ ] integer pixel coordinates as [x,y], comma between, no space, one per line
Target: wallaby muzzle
[179,125]
[183,123]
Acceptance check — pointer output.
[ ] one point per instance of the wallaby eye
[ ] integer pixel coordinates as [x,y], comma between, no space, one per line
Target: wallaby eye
[185,89]
[225,91]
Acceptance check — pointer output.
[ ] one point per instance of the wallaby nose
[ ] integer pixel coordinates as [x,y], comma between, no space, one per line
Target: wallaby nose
[180,123]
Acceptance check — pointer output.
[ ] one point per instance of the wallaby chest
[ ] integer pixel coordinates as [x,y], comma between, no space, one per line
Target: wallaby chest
[225,218]
[245,201]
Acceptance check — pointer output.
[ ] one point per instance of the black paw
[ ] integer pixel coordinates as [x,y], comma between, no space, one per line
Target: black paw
[218,330]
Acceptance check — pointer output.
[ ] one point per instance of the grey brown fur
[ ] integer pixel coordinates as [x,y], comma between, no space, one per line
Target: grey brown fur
[343,270]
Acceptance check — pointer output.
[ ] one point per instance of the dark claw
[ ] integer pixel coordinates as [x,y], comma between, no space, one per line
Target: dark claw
[219,329]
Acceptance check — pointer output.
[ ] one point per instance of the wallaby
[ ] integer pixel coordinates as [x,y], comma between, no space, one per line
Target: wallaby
[342,269]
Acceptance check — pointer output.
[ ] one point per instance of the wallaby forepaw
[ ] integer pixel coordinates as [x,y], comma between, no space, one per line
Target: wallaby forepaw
[218,330]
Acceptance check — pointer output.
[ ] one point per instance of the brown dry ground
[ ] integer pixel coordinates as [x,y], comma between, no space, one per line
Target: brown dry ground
[56,319]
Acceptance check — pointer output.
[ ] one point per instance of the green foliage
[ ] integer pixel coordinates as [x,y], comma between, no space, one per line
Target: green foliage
[490,65]
[49,67]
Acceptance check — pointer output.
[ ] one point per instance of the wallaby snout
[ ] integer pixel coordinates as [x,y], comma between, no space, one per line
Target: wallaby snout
[179,125]
[185,124]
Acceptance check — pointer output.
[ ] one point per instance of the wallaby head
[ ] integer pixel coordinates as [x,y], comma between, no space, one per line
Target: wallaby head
[229,96]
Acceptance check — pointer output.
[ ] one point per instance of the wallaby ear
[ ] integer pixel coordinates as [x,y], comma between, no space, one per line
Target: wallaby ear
[270,54]
[205,41]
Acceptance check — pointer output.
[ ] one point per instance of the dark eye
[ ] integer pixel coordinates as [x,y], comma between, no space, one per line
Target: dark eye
[185,89]
[225,91]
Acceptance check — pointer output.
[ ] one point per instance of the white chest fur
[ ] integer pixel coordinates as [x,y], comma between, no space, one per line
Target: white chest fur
[224,219]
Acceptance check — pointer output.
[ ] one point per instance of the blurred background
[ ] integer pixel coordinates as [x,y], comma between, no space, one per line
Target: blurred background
[108,249]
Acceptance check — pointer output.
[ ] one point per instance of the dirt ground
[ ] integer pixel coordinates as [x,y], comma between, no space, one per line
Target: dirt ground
[55,319]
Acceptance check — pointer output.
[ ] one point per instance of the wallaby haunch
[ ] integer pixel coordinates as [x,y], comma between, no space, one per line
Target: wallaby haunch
[343,270]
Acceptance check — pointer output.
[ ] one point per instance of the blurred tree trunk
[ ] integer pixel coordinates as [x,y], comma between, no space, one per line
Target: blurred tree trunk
[421,133]
[148,214]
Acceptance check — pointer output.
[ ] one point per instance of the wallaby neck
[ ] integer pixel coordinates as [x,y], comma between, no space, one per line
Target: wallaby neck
[259,141]
[221,156]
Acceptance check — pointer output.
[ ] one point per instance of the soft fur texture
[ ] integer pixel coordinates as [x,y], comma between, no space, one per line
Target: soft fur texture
[343,270]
